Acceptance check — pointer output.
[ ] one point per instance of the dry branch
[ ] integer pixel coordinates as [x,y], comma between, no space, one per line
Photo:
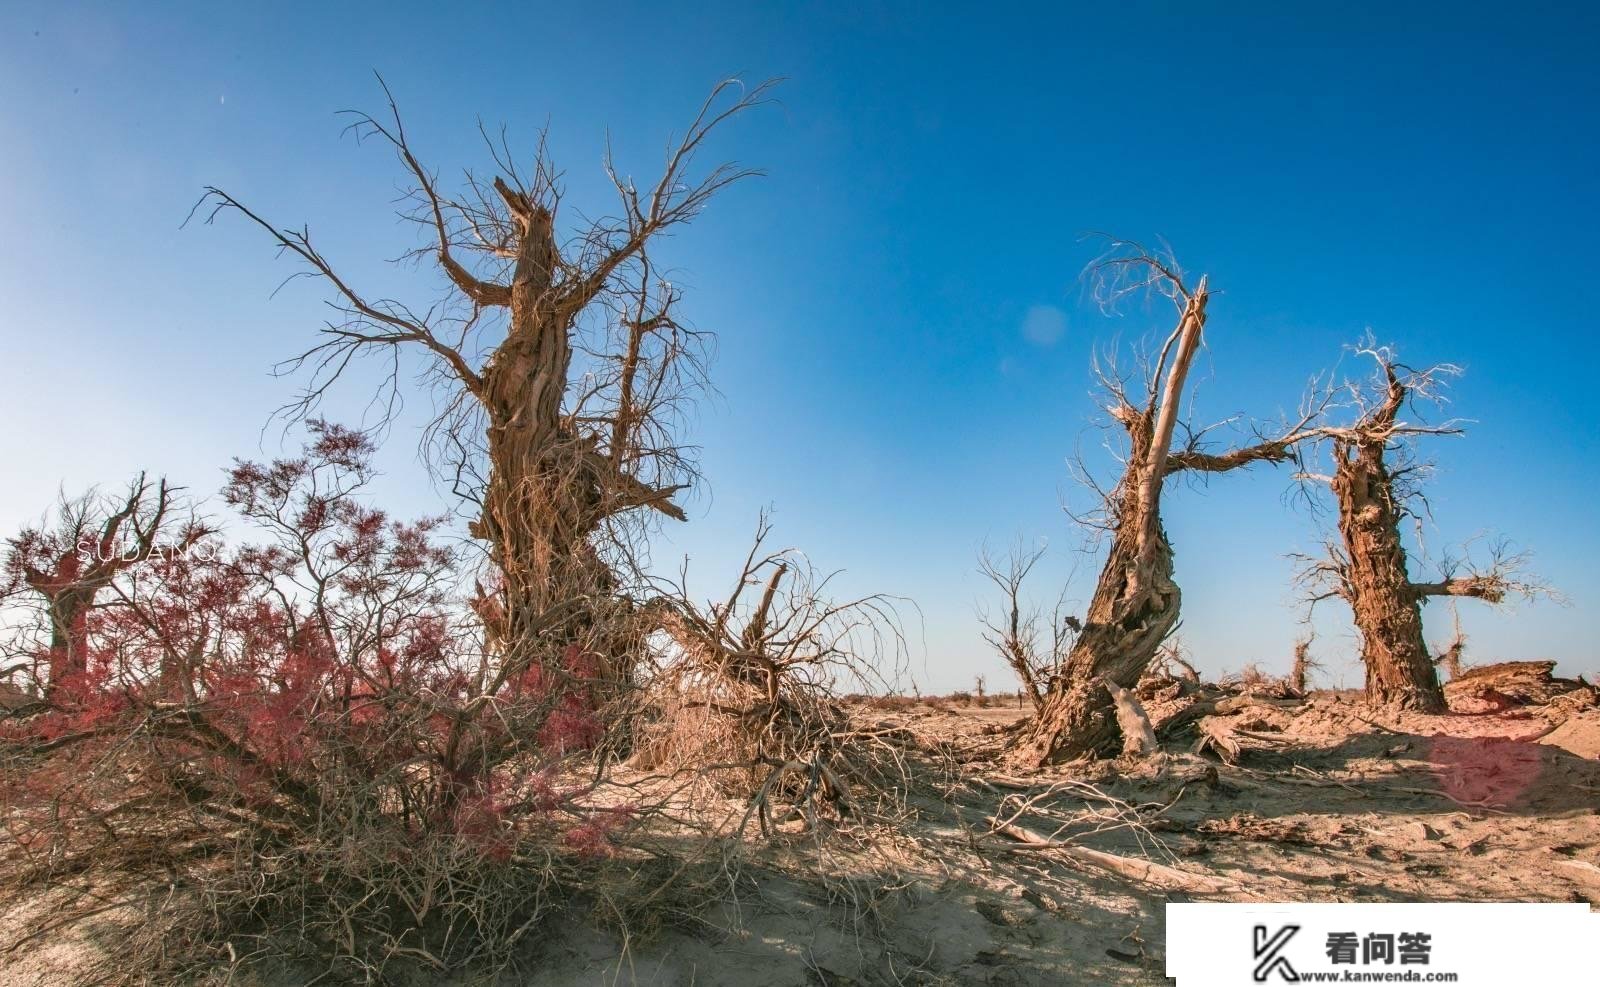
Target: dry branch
[1015,635]
[744,692]
[1144,871]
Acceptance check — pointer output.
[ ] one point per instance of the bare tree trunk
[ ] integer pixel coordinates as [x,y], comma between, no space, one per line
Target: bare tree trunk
[69,630]
[1387,608]
[1135,607]
[1136,603]
[1300,671]
[542,499]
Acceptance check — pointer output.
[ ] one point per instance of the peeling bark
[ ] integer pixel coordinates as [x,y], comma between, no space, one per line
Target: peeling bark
[1387,608]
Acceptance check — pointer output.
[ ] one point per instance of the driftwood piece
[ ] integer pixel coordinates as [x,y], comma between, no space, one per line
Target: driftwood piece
[1215,736]
[1230,741]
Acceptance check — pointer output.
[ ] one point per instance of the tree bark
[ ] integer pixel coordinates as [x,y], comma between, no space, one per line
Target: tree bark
[1386,606]
[1134,609]
[534,510]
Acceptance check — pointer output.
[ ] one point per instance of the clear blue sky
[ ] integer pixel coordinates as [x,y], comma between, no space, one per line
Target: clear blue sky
[1428,173]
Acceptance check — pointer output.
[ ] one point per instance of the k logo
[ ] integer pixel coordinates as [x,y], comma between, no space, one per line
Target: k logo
[1269,953]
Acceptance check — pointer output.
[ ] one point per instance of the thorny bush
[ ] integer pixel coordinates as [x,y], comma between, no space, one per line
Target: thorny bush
[305,734]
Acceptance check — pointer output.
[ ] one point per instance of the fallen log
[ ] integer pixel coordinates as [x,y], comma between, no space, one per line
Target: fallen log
[1510,683]
[1225,706]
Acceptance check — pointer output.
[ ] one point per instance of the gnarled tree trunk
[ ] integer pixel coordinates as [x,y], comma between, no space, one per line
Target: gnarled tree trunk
[547,490]
[1134,609]
[1386,606]
[1136,602]
[568,451]
[1369,567]
[1373,575]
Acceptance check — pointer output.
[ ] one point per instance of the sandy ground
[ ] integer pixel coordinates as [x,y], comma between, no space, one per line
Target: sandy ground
[1328,802]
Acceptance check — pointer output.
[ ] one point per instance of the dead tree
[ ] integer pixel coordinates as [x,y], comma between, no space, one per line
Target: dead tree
[1450,657]
[562,361]
[744,689]
[1136,602]
[68,564]
[1375,480]
[1015,633]
[1304,665]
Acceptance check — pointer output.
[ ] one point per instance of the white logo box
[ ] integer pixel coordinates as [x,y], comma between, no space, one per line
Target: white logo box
[1476,944]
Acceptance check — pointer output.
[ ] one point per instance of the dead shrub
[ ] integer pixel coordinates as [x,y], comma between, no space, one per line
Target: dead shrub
[745,692]
[1253,680]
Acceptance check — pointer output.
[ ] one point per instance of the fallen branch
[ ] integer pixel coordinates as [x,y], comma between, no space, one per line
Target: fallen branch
[1133,868]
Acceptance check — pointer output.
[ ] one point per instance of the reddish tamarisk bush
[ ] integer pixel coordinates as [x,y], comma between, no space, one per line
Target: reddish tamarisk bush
[302,733]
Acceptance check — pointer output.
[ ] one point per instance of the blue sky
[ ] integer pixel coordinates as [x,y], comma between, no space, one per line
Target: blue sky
[903,356]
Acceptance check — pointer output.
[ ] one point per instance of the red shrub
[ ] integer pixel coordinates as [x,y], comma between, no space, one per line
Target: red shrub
[321,696]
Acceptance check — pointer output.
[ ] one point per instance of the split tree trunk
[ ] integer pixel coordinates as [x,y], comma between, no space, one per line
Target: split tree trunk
[1136,603]
[1134,609]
